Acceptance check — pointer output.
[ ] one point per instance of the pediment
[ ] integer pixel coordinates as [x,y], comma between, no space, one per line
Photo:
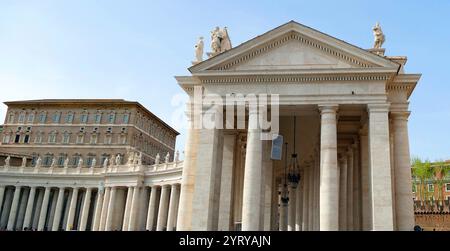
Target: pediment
[292,47]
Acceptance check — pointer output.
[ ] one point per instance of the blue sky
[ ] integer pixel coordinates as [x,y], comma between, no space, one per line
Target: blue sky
[131,49]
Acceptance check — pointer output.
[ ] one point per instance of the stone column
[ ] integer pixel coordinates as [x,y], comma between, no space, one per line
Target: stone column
[126,215]
[404,207]
[152,208]
[37,211]
[85,210]
[380,167]
[251,210]
[316,220]
[22,208]
[208,176]
[29,210]
[162,212]
[6,208]
[98,211]
[2,195]
[14,207]
[284,203]
[305,210]
[72,209]
[292,208]
[299,206]
[349,196]
[365,182]
[356,188]
[184,222]
[268,186]
[111,206]
[329,188]
[226,187]
[172,207]
[44,209]
[134,209]
[104,213]
[311,198]
[343,194]
[58,210]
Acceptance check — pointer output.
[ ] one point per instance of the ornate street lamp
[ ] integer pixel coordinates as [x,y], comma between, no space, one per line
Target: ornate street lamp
[294,167]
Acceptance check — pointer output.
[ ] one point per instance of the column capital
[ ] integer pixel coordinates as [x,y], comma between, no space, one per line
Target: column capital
[328,108]
[400,115]
[372,108]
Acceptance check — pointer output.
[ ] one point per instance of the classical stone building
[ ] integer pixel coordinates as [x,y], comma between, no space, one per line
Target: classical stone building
[85,130]
[92,165]
[351,110]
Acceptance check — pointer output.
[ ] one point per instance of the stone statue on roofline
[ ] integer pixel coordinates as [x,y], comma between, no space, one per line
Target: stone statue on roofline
[220,41]
[24,161]
[66,162]
[94,162]
[105,163]
[167,158]
[39,162]
[379,36]
[199,47]
[157,159]
[7,160]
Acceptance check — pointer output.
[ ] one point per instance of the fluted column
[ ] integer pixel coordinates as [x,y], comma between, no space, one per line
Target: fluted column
[85,210]
[226,188]
[173,206]
[292,208]
[134,209]
[111,207]
[126,215]
[251,210]
[305,213]
[404,208]
[343,194]
[152,208]
[29,210]
[14,207]
[58,210]
[365,182]
[329,183]
[299,206]
[349,196]
[380,165]
[98,210]
[104,213]
[162,212]
[72,209]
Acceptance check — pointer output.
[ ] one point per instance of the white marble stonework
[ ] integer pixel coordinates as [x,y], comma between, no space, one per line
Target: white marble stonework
[344,97]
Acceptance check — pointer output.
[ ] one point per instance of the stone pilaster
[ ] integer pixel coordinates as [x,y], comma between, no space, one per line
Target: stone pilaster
[380,166]
[329,183]
[404,207]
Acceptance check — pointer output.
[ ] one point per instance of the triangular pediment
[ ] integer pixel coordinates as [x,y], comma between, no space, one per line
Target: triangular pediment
[293,47]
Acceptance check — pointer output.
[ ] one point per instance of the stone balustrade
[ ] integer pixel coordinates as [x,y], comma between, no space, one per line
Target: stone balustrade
[432,206]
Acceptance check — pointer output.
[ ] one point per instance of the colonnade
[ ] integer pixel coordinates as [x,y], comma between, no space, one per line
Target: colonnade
[113,208]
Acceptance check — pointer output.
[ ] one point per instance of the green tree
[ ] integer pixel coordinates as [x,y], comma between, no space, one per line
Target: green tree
[442,170]
[423,171]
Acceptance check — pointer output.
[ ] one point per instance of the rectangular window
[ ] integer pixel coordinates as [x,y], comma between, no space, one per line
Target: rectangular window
[80,139]
[11,118]
[98,118]
[447,187]
[52,138]
[56,117]
[94,139]
[21,118]
[84,118]
[42,118]
[27,139]
[66,138]
[31,118]
[38,139]
[6,139]
[112,118]
[126,118]
[69,118]
[17,139]
[430,188]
